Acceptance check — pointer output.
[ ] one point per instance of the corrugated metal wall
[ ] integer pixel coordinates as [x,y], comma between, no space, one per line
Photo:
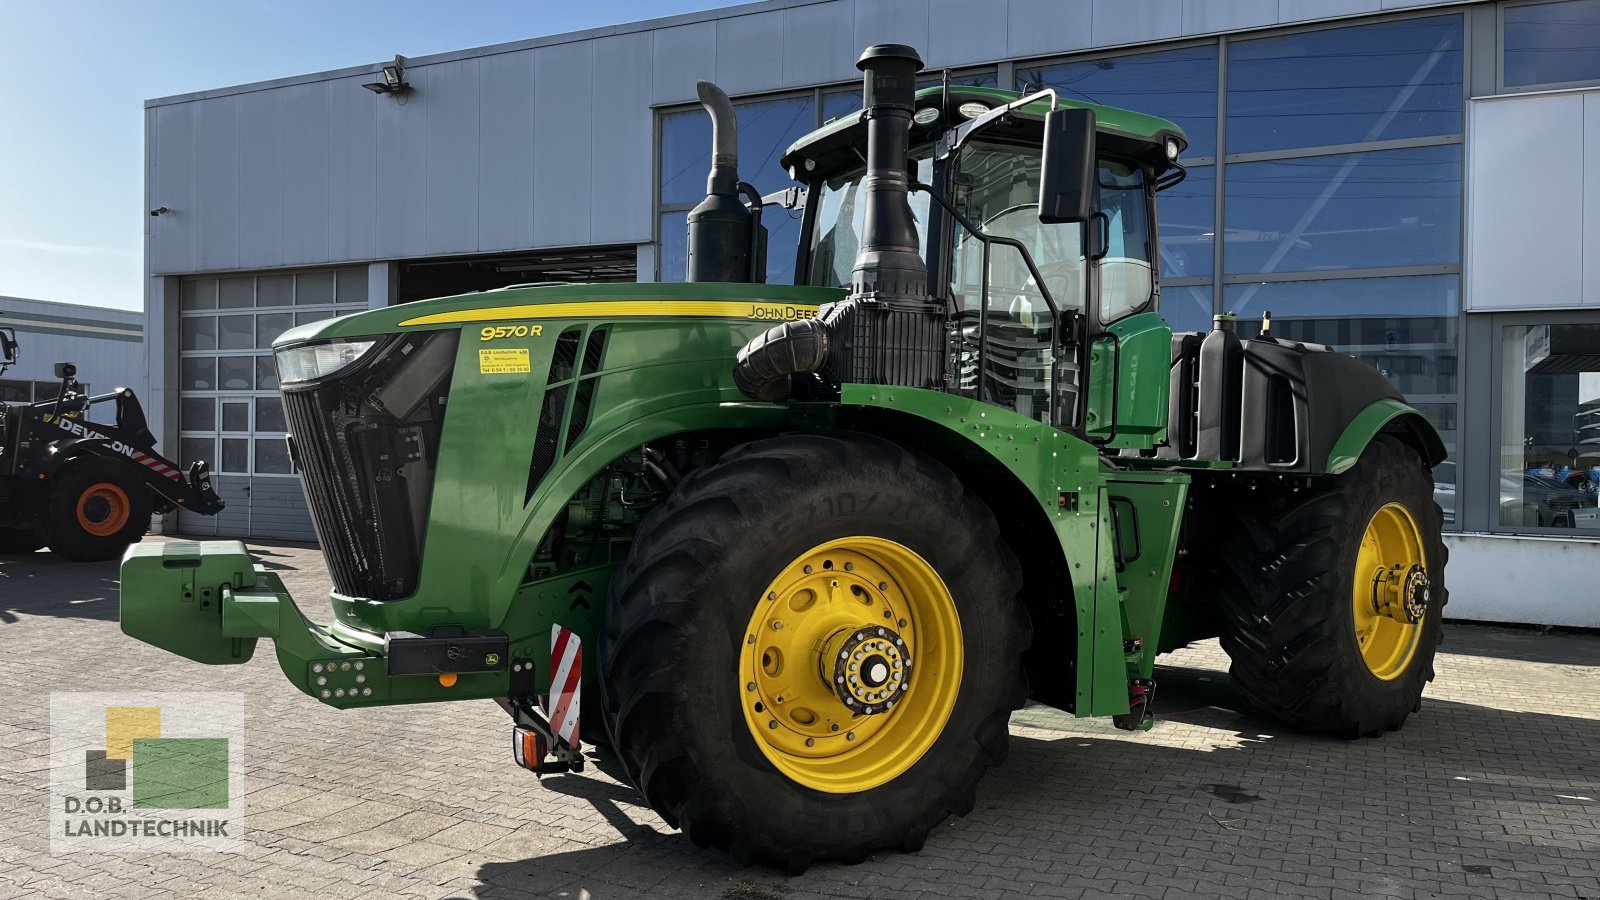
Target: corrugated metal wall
[549,142]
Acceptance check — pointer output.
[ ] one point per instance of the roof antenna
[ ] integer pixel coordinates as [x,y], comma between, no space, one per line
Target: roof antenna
[944,95]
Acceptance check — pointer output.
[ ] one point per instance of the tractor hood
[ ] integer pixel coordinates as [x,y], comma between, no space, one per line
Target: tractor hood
[591,302]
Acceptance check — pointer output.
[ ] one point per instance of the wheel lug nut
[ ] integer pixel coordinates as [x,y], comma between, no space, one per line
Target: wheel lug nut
[778,625]
[902,623]
[849,567]
[850,736]
[751,686]
[808,570]
[773,595]
[883,585]
[773,724]
[810,742]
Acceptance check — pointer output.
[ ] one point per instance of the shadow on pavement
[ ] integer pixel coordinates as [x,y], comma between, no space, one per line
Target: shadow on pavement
[43,584]
[1241,799]
[1529,644]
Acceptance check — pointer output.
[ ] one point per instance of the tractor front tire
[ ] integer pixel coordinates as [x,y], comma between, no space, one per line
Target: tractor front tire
[20,540]
[812,651]
[96,509]
[1319,591]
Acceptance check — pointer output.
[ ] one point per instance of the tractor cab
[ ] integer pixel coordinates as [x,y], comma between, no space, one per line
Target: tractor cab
[1023,284]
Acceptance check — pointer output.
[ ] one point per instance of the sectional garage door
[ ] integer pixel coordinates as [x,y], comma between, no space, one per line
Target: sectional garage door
[229,411]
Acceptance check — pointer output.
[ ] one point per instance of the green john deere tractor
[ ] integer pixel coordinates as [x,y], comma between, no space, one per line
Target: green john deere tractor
[820,540]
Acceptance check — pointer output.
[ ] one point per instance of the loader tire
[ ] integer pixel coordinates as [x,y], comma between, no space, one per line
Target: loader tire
[96,509]
[696,657]
[20,540]
[1301,585]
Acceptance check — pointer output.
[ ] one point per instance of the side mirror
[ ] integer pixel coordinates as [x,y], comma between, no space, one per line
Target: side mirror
[1066,173]
[66,370]
[8,346]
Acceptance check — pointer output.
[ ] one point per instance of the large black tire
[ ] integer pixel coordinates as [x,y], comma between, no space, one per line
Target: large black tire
[679,607]
[20,540]
[107,493]
[1286,594]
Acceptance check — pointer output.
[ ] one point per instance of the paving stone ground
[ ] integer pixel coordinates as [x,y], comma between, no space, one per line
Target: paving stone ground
[1493,791]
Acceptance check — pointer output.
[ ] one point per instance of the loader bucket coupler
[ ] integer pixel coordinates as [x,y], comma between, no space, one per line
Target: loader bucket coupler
[172,597]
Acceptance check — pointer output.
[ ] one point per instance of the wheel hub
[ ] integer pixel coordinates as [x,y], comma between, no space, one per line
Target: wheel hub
[1400,593]
[871,669]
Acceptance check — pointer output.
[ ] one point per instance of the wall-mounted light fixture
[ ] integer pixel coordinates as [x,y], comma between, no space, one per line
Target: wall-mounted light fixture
[394,79]
[159,210]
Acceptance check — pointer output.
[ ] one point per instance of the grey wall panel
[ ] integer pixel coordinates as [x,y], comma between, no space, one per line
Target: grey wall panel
[750,53]
[1135,21]
[620,183]
[353,163]
[506,125]
[215,217]
[261,178]
[400,154]
[173,148]
[1525,236]
[961,33]
[683,54]
[561,204]
[892,22]
[307,181]
[450,175]
[1590,242]
[1210,17]
[1035,27]
[1301,10]
[818,43]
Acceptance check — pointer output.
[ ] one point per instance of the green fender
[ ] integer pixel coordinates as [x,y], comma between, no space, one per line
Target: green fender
[1391,416]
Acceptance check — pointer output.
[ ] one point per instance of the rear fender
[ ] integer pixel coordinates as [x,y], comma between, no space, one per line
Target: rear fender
[1386,416]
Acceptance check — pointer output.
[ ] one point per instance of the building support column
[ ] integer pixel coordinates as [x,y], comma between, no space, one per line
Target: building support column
[162,295]
[383,284]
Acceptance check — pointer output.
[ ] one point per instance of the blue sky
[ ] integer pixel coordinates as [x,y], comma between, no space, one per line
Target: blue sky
[74,76]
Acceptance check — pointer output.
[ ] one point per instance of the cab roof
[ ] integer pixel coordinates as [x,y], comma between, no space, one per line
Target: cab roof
[1124,126]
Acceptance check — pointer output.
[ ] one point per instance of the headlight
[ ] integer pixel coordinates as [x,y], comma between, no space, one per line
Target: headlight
[1172,149]
[310,362]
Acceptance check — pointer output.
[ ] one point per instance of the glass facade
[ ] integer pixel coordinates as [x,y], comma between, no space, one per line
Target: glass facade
[1551,44]
[1549,443]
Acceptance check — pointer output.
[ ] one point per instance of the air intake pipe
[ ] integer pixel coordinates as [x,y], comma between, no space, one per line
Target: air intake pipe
[889,330]
[727,241]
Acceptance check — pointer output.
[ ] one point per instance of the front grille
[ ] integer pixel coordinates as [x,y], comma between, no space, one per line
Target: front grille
[366,442]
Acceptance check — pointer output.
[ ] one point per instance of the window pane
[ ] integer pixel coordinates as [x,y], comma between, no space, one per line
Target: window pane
[235,455]
[268,328]
[235,373]
[1187,308]
[237,293]
[272,456]
[266,374]
[275,290]
[1403,327]
[196,450]
[1186,216]
[1359,210]
[352,286]
[766,129]
[197,374]
[269,414]
[840,103]
[1345,85]
[199,294]
[313,288]
[46,390]
[235,415]
[674,258]
[200,333]
[197,414]
[841,218]
[1178,85]
[783,235]
[16,391]
[1550,427]
[302,318]
[1552,43]
[235,333]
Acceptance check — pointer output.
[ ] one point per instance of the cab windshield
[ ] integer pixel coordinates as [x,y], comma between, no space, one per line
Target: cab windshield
[841,218]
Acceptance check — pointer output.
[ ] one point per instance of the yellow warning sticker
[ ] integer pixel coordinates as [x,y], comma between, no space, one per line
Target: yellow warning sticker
[506,361]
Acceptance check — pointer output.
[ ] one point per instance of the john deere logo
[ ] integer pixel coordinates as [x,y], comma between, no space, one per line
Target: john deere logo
[146,772]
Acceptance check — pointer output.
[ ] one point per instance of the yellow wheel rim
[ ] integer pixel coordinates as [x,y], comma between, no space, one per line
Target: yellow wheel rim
[1390,597]
[850,664]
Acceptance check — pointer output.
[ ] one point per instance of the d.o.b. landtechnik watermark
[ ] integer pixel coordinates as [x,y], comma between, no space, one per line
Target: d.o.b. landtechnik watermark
[146,772]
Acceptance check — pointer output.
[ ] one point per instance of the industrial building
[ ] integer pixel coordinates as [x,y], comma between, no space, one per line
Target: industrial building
[1403,180]
[106,344]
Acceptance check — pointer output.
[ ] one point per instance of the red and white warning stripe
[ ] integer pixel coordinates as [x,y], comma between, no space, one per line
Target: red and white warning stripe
[566,683]
[156,464]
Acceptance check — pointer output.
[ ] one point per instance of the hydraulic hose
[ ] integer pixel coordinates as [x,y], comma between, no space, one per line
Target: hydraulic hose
[763,366]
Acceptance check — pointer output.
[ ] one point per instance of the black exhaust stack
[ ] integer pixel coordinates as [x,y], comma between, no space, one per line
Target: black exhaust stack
[727,241]
[889,330]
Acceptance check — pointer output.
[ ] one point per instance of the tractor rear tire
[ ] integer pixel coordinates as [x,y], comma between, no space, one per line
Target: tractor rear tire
[685,610]
[20,540]
[97,508]
[1307,643]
